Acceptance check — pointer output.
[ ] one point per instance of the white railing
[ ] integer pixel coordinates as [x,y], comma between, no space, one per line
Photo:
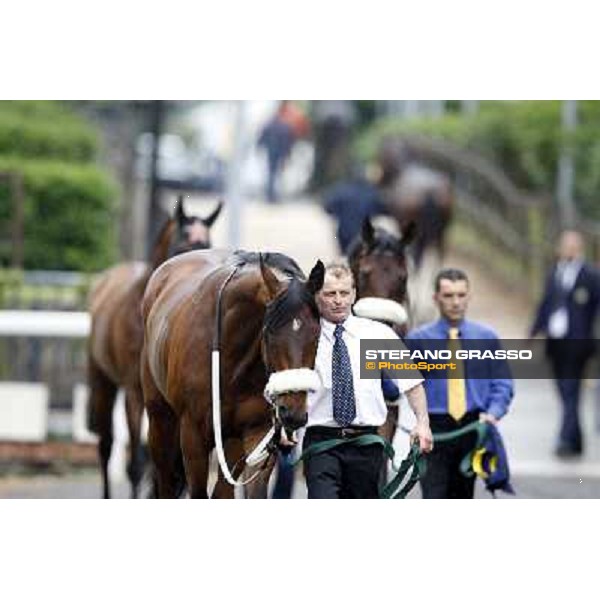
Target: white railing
[44,323]
[24,409]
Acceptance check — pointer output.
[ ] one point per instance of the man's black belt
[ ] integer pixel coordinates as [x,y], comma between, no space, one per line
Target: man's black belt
[341,432]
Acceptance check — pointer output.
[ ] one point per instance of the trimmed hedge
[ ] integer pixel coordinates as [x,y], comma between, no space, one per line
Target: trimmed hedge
[69,201]
[45,130]
[69,215]
[523,137]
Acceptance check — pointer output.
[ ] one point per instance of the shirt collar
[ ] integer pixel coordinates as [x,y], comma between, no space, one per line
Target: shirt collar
[328,328]
[574,263]
[444,326]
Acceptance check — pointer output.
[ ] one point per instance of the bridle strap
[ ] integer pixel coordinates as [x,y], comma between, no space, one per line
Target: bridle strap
[216,390]
[218,319]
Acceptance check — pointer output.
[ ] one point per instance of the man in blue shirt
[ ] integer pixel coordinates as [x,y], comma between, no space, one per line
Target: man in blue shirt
[455,402]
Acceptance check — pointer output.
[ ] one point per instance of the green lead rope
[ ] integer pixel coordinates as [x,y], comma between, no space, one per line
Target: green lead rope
[414,461]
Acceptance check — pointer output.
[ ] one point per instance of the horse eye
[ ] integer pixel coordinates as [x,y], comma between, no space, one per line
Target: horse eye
[296,324]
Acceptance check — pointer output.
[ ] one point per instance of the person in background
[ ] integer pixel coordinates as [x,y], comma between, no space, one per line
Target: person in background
[277,138]
[350,202]
[456,402]
[294,116]
[566,315]
[333,123]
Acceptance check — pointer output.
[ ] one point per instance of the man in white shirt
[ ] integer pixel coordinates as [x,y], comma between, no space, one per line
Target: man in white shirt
[347,406]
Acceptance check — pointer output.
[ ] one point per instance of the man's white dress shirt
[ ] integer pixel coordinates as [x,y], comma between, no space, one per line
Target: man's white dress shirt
[371,409]
[566,274]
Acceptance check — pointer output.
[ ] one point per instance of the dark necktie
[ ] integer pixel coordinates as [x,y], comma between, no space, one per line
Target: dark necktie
[344,407]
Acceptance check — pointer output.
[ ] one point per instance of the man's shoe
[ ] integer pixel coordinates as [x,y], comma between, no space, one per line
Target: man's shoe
[566,451]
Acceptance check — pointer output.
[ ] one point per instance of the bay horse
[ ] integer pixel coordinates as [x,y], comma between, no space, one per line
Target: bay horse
[116,337]
[257,313]
[379,263]
[413,193]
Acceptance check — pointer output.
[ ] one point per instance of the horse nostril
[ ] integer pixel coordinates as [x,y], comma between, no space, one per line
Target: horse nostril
[295,421]
[292,419]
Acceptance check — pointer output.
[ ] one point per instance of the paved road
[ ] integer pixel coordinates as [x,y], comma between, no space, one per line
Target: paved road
[87,486]
[301,229]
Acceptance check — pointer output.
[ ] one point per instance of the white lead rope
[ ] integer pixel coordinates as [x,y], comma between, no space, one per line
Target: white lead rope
[216,411]
[279,383]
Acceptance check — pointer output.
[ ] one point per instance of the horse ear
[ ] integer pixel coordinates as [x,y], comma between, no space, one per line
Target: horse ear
[367,232]
[209,221]
[270,280]
[316,278]
[409,232]
[179,211]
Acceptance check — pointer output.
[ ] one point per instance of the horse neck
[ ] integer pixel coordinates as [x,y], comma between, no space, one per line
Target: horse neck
[160,250]
[246,363]
[243,320]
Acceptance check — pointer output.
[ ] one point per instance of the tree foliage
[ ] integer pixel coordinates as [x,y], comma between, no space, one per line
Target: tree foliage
[523,137]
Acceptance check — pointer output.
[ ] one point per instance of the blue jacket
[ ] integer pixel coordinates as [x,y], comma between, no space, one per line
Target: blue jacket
[350,202]
[488,383]
[581,303]
[277,138]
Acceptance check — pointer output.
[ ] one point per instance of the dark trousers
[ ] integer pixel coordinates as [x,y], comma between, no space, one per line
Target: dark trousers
[346,471]
[274,166]
[443,478]
[568,376]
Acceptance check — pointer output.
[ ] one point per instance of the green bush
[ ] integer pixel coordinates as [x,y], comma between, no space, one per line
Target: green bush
[69,214]
[45,130]
[523,137]
[68,205]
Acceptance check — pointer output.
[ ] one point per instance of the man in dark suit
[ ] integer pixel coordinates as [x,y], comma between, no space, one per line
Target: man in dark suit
[566,316]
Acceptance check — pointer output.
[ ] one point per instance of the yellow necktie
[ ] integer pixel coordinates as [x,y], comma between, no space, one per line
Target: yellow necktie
[457,396]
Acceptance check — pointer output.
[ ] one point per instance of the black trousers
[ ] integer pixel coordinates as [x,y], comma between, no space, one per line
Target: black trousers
[568,374]
[346,471]
[443,478]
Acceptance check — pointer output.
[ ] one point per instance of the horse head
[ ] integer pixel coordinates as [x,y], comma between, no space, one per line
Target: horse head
[379,264]
[378,260]
[193,233]
[182,233]
[289,344]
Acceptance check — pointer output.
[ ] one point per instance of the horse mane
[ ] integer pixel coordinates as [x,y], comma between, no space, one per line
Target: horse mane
[283,308]
[274,260]
[160,250]
[289,302]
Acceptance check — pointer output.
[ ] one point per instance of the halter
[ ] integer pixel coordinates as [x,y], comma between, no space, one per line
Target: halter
[280,382]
